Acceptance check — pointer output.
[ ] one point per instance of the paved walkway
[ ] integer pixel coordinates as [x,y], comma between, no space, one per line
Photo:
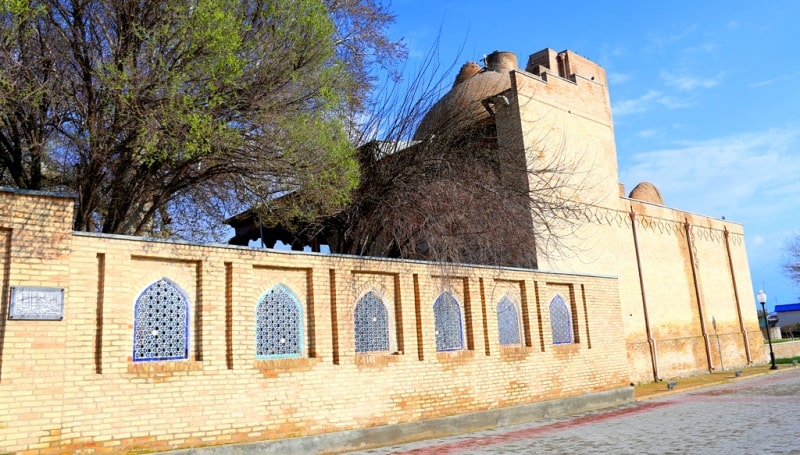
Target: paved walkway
[753,413]
[656,389]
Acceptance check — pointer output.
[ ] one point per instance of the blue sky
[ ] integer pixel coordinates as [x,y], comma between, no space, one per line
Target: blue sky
[705,97]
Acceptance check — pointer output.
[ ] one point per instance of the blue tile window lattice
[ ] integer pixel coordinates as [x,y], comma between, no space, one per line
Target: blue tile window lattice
[447,321]
[560,321]
[161,323]
[371,324]
[508,322]
[279,325]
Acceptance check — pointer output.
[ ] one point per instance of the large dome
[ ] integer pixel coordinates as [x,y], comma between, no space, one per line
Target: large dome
[462,106]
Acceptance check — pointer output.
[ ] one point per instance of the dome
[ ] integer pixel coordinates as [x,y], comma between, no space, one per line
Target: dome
[468,70]
[462,106]
[647,192]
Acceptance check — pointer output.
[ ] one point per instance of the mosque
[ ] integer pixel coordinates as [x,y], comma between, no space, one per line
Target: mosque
[565,294]
[684,277]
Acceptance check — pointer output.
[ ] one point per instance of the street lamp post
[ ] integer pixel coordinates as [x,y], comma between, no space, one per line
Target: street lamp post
[762,299]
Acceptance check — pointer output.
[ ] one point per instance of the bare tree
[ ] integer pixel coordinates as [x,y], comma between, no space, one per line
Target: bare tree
[440,185]
[791,259]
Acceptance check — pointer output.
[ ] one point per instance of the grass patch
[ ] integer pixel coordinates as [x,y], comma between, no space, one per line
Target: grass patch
[788,360]
[781,340]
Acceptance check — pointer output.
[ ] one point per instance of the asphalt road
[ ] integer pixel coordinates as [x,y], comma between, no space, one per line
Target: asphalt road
[758,415]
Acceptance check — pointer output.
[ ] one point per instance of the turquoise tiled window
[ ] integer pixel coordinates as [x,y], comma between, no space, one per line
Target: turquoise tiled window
[279,325]
[161,323]
[508,322]
[447,319]
[560,321]
[371,324]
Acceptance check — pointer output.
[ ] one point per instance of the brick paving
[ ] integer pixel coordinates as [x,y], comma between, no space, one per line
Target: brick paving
[752,414]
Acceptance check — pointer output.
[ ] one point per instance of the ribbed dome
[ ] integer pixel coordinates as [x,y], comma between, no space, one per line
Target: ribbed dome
[468,70]
[647,192]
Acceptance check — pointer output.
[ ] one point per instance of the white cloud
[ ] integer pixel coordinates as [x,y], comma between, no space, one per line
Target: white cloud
[747,177]
[646,102]
[618,51]
[757,240]
[636,106]
[765,82]
[689,83]
[704,48]
[673,103]
[649,133]
[618,78]
[781,78]
[708,47]
[683,84]
[609,53]
[662,39]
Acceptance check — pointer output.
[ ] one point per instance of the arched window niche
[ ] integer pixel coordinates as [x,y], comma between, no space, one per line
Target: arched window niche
[161,323]
[372,324]
[508,323]
[561,321]
[279,325]
[448,322]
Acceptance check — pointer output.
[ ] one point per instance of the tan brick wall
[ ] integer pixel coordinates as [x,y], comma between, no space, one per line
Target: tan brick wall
[785,350]
[35,235]
[678,291]
[683,343]
[689,286]
[567,126]
[71,385]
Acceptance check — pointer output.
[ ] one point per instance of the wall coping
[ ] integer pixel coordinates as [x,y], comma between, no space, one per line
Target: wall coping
[132,238]
[60,195]
[673,209]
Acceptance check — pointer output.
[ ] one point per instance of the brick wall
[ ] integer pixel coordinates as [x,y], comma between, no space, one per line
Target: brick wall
[71,385]
[674,284]
[685,299]
[783,350]
[35,233]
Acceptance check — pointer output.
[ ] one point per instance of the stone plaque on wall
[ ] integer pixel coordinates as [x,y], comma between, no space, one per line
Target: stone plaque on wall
[35,303]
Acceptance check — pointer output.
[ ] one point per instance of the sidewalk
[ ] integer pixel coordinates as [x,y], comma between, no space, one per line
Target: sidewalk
[657,389]
[708,420]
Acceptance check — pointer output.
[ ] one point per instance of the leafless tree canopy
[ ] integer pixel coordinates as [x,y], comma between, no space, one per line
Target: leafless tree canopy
[791,260]
[448,191]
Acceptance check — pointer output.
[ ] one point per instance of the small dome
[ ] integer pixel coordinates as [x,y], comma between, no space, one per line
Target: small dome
[647,192]
[468,70]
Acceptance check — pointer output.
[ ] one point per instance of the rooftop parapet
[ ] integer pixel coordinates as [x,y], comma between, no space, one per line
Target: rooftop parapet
[566,65]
